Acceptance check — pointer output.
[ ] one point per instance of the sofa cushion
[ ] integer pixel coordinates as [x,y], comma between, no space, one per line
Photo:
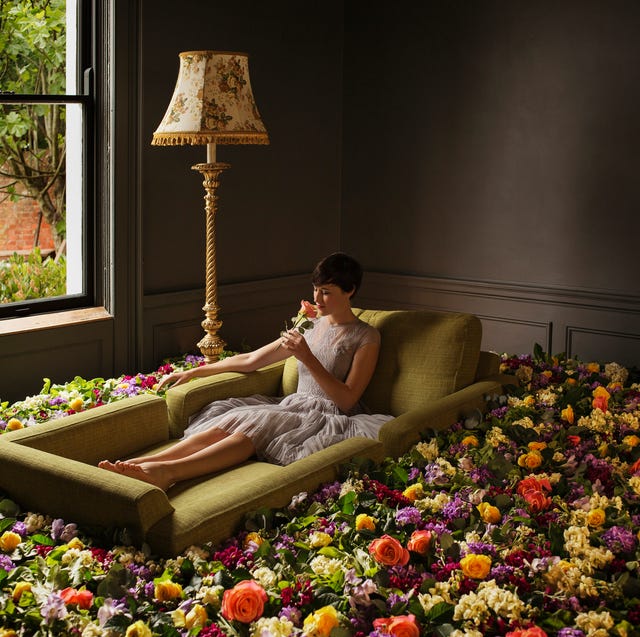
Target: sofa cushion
[424,356]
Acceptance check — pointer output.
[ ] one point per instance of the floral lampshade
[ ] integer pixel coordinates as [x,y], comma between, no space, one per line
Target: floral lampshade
[212,103]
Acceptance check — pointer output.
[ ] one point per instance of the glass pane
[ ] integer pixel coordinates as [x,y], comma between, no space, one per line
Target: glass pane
[41,227]
[33,46]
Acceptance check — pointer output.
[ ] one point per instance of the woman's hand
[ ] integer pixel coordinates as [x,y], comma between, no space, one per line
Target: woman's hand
[295,345]
[176,378]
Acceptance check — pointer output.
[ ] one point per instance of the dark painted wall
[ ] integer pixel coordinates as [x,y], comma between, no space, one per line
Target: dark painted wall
[279,206]
[494,140]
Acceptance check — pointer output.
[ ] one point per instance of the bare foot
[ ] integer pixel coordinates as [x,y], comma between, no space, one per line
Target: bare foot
[150,472]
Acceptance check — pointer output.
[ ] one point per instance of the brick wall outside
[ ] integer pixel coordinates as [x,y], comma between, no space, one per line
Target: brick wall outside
[18,223]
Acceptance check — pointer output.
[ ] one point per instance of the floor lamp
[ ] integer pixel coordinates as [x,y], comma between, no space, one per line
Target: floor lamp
[212,104]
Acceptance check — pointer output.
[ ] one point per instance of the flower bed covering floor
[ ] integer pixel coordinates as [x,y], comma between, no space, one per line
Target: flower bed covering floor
[524,522]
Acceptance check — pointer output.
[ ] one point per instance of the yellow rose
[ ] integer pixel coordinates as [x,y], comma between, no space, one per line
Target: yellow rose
[470,441]
[489,513]
[197,616]
[76,404]
[166,590]
[476,566]
[75,543]
[138,629]
[596,517]
[179,618]
[318,539]
[321,622]
[9,541]
[19,589]
[365,522]
[537,446]
[8,632]
[593,368]
[531,460]
[568,414]
[632,440]
[14,424]
[414,492]
[253,538]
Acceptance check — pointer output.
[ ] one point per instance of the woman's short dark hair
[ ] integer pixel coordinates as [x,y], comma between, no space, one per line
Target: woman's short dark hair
[339,269]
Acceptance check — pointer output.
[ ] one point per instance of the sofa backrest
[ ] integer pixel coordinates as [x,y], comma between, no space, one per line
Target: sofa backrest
[424,355]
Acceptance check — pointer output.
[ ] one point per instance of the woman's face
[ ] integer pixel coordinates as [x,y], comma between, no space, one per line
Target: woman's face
[331,299]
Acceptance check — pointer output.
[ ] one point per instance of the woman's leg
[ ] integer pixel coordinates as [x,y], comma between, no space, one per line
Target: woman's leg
[181,449]
[227,452]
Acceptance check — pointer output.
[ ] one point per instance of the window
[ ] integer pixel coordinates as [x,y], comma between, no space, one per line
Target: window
[46,155]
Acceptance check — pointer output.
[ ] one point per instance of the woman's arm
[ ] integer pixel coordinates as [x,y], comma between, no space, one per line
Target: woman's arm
[344,394]
[249,362]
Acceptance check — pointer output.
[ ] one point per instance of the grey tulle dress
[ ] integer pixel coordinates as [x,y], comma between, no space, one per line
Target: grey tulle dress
[285,429]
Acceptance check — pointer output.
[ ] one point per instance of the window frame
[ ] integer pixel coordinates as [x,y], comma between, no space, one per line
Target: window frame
[87,40]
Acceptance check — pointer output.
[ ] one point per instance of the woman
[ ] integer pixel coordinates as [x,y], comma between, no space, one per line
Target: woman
[336,360]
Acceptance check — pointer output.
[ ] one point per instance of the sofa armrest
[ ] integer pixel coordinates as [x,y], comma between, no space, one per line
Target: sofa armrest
[44,482]
[401,433]
[185,400]
[111,431]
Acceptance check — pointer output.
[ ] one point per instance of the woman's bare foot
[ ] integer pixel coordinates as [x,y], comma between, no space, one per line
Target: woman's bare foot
[151,472]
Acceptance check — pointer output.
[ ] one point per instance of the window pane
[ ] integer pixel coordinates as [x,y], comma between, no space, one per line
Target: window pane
[33,46]
[41,218]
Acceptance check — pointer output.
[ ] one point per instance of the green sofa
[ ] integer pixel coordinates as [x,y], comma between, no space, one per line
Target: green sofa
[430,373]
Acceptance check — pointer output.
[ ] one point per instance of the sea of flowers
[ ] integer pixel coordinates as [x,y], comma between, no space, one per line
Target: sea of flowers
[521,522]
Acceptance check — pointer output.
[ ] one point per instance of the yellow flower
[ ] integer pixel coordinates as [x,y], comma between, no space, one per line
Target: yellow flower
[413,492]
[9,541]
[8,632]
[529,401]
[138,629]
[632,440]
[489,513]
[253,538]
[318,539]
[537,446]
[596,517]
[470,441]
[179,618]
[167,590]
[18,590]
[547,372]
[568,414]
[365,522]
[593,368]
[76,404]
[531,460]
[14,424]
[476,566]
[197,616]
[75,543]
[321,622]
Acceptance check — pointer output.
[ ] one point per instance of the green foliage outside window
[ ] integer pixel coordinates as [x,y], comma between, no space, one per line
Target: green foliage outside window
[32,277]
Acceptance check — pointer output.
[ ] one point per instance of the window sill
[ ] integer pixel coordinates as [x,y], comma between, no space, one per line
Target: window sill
[53,320]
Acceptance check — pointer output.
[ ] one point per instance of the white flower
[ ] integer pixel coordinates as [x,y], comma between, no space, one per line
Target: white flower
[271,627]
[266,577]
[594,623]
[325,566]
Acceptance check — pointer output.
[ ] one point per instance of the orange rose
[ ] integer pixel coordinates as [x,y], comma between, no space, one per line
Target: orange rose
[593,368]
[489,513]
[365,522]
[568,414]
[533,483]
[14,424]
[601,398]
[398,626]
[166,590]
[308,309]
[321,622]
[476,566]
[419,542]
[631,440]
[244,602]
[470,441]
[80,598]
[537,446]
[252,539]
[537,501]
[635,467]
[388,551]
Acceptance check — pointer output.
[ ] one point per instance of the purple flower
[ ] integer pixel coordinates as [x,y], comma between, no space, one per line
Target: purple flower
[53,608]
[20,528]
[570,632]
[408,515]
[6,564]
[110,608]
[619,540]
[62,531]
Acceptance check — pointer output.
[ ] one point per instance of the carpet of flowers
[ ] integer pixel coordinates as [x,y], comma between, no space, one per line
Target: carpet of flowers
[523,522]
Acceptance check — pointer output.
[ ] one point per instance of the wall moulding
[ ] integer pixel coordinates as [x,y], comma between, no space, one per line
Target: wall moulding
[515,317]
